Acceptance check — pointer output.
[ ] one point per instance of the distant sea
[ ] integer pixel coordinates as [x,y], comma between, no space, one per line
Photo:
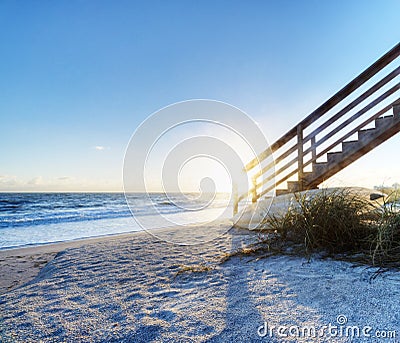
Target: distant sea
[39,218]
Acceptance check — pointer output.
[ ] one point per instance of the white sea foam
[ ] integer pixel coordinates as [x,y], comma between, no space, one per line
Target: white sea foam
[31,219]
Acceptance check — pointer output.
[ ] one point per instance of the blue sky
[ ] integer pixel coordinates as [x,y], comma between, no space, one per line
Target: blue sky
[77,77]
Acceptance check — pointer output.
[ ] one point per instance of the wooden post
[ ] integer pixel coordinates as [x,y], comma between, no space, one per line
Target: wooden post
[313,149]
[235,196]
[300,156]
[254,193]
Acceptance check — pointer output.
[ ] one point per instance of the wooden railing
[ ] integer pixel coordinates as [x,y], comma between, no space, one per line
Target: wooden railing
[310,140]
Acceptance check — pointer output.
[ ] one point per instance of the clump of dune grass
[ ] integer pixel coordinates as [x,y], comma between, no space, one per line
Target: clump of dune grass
[336,221]
[385,247]
[340,223]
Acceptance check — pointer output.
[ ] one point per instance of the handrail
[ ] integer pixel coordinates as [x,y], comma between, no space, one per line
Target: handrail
[298,147]
[331,146]
[332,133]
[333,101]
[356,102]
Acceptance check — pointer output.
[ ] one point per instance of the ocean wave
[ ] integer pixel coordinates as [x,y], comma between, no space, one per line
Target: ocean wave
[59,218]
[27,209]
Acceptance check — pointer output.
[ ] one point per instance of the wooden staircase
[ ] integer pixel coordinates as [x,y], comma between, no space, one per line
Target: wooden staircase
[368,139]
[354,125]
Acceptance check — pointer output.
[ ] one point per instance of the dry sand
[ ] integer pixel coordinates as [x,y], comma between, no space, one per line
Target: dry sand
[130,289]
[20,265]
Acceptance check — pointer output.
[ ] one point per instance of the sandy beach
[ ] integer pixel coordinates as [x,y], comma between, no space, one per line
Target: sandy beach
[137,288]
[200,172]
[20,265]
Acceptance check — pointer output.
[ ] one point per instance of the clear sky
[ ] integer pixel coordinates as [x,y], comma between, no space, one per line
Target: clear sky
[77,77]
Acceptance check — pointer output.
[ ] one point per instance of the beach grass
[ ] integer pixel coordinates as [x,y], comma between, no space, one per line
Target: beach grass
[386,241]
[339,224]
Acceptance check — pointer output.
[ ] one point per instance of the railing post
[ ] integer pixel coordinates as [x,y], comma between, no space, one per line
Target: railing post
[300,156]
[313,149]
[235,196]
[254,193]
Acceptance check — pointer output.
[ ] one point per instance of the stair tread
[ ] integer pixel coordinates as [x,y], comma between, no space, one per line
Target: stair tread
[319,165]
[385,117]
[350,146]
[334,153]
[367,130]
[383,121]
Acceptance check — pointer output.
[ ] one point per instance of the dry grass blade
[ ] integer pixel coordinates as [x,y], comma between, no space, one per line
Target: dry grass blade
[344,224]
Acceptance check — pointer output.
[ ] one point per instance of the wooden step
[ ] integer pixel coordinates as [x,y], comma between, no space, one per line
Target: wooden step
[396,111]
[293,186]
[383,123]
[306,175]
[350,146]
[334,157]
[367,135]
[353,150]
[279,192]
[319,168]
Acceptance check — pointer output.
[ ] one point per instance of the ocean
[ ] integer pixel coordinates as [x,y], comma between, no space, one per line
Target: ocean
[28,219]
